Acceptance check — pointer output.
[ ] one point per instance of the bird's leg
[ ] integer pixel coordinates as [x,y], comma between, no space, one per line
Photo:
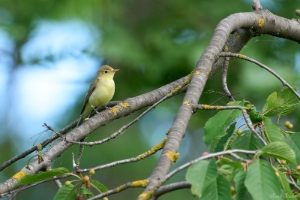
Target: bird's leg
[94,108]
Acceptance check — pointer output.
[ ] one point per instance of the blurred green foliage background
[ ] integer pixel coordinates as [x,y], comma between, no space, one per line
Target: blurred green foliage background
[152,43]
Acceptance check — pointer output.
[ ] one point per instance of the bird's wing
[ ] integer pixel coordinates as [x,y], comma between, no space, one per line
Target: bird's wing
[89,93]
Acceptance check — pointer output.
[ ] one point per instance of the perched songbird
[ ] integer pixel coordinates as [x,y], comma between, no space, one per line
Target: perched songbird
[100,92]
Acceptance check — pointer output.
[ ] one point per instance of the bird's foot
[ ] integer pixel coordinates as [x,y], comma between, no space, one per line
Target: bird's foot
[94,108]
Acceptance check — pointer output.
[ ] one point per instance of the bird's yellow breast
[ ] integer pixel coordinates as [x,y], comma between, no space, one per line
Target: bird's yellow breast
[103,93]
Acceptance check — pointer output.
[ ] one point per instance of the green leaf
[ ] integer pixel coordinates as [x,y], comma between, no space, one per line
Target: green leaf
[28,179]
[279,150]
[66,193]
[248,141]
[230,140]
[228,171]
[215,127]
[219,144]
[293,140]
[272,132]
[219,189]
[286,186]
[234,164]
[270,103]
[262,182]
[280,104]
[85,191]
[241,190]
[200,175]
[99,186]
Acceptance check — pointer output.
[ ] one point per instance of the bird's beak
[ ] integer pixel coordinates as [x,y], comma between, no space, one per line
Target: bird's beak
[115,70]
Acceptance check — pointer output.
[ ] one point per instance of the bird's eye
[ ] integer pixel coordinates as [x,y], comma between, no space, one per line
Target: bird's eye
[105,71]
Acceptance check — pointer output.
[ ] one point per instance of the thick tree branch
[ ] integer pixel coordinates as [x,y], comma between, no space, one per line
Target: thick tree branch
[261,22]
[122,109]
[51,139]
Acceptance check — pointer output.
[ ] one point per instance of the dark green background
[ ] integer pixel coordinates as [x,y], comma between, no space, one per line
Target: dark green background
[152,43]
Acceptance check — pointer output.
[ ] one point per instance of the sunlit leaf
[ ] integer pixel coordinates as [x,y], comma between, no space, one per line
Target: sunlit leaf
[28,179]
[279,150]
[99,186]
[200,175]
[262,182]
[272,132]
[66,193]
[281,103]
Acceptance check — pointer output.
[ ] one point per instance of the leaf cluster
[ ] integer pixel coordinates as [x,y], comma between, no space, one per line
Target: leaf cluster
[268,174]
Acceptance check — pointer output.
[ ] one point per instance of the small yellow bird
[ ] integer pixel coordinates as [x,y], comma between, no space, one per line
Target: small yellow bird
[100,92]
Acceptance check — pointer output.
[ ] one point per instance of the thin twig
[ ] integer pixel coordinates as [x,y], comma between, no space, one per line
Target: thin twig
[80,153]
[58,183]
[51,129]
[171,187]
[148,153]
[211,155]
[291,181]
[144,155]
[134,184]
[34,148]
[224,79]
[238,157]
[241,56]
[209,107]
[250,126]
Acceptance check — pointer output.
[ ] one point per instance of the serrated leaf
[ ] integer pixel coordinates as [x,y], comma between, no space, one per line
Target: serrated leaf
[241,190]
[272,132]
[262,182]
[281,103]
[29,179]
[200,175]
[293,140]
[66,193]
[216,126]
[99,186]
[85,191]
[286,186]
[219,189]
[279,150]
[219,144]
